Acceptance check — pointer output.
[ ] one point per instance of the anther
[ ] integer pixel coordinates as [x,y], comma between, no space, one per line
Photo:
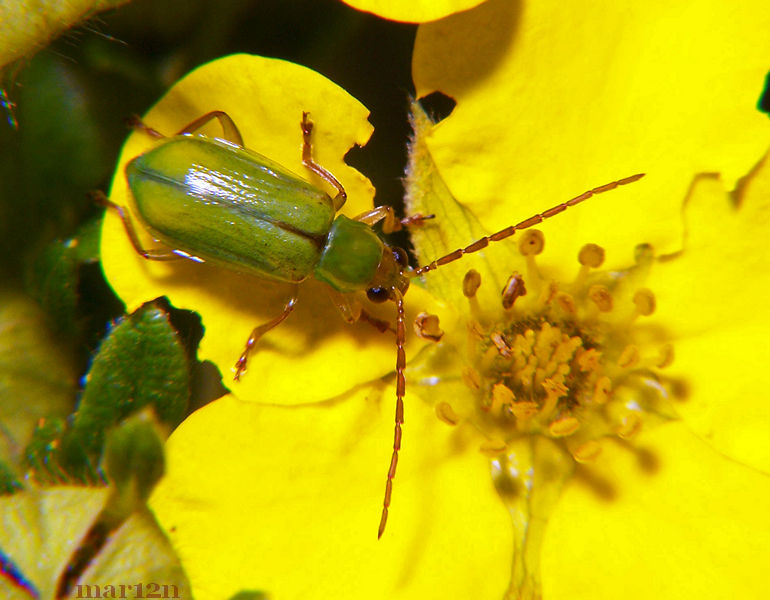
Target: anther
[602,390]
[471,283]
[566,303]
[643,254]
[588,360]
[524,410]
[472,378]
[532,242]
[644,300]
[553,391]
[514,288]
[501,344]
[591,255]
[600,295]
[629,426]
[426,326]
[587,452]
[564,427]
[446,413]
[493,447]
[629,357]
[666,356]
[502,396]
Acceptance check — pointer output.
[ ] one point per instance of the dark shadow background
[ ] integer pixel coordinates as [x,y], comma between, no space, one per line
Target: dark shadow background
[72,98]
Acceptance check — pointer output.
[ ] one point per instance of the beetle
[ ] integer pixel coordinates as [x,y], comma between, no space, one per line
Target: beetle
[212,200]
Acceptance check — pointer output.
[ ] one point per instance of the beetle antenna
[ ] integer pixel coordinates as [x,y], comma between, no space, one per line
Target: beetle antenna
[527,223]
[400,391]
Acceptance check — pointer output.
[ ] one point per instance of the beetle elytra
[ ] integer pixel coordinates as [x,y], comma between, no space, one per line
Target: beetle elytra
[212,200]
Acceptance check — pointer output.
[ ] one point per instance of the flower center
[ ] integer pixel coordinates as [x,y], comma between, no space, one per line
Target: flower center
[568,361]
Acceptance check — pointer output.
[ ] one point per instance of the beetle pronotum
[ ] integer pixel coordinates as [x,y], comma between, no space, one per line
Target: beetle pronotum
[295,225]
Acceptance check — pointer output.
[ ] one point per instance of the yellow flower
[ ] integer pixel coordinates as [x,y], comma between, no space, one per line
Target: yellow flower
[501,490]
[413,11]
[266,99]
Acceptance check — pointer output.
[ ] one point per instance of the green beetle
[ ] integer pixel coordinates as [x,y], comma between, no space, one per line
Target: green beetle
[212,200]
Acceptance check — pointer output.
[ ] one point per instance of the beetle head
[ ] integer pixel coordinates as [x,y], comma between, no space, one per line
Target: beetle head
[390,276]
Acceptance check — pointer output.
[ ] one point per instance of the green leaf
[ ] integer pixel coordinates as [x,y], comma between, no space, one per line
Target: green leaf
[54,277]
[58,523]
[140,363]
[9,484]
[36,377]
[133,458]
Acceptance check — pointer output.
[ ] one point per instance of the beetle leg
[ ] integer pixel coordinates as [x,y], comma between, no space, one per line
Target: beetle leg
[388,217]
[307,160]
[379,324]
[352,312]
[154,254]
[135,122]
[229,129]
[258,332]
[347,304]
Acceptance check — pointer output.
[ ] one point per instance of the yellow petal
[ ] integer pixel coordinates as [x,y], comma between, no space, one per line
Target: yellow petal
[287,500]
[712,299]
[677,521]
[555,98]
[411,11]
[265,98]
[454,227]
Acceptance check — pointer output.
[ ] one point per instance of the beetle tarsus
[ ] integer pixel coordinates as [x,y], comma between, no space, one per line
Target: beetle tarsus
[258,332]
[135,122]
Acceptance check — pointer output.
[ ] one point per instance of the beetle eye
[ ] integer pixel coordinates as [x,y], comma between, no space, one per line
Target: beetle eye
[378,294]
[400,255]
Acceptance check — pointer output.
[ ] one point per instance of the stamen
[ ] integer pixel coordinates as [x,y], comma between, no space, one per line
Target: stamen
[629,426]
[426,326]
[446,413]
[472,378]
[502,397]
[588,360]
[591,255]
[564,427]
[553,391]
[493,447]
[643,254]
[532,242]
[629,357]
[501,344]
[602,390]
[471,283]
[644,300]
[514,288]
[560,363]
[587,452]
[666,356]
[566,303]
[600,295]
[524,411]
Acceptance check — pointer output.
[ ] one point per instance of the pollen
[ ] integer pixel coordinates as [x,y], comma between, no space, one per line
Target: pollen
[572,362]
